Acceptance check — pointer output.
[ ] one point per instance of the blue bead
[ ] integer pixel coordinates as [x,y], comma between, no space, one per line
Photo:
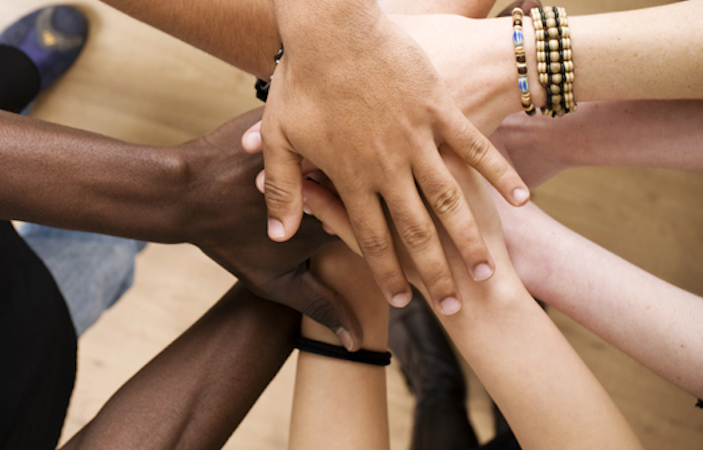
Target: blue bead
[518,38]
[524,85]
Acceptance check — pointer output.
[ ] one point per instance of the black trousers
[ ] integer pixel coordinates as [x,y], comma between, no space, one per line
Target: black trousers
[19,79]
[37,338]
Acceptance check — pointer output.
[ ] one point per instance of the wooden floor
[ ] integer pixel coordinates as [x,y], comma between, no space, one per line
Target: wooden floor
[137,84]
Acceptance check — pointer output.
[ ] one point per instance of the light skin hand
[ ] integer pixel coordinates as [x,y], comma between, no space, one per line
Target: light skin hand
[376,136]
[503,332]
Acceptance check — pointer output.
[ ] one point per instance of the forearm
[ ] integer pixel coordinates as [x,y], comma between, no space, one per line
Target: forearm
[242,32]
[545,391]
[640,54]
[245,32]
[547,394]
[610,61]
[665,134]
[197,391]
[471,8]
[341,404]
[654,322]
[74,179]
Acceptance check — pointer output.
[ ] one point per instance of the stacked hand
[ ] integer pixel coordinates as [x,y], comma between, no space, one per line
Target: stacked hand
[229,225]
[361,100]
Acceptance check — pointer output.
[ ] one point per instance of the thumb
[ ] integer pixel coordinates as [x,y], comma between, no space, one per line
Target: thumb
[283,186]
[251,139]
[323,305]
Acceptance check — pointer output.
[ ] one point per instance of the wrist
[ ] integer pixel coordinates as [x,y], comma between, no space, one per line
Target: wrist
[173,172]
[194,175]
[335,22]
[497,95]
[537,92]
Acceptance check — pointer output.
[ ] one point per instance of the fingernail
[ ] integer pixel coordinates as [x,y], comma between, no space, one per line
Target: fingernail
[521,195]
[252,141]
[346,339]
[260,181]
[482,272]
[401,300]
[328,230]
[306,210]
[276,230]
[450,306]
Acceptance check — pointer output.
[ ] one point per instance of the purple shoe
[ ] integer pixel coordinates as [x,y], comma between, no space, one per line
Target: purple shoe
[51,37]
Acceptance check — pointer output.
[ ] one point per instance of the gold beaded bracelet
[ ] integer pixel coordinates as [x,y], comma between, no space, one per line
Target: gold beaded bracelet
[523,83]
[554,64]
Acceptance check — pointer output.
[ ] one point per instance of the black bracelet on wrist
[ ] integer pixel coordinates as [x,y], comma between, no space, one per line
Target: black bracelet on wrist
[335,351]
[262,87]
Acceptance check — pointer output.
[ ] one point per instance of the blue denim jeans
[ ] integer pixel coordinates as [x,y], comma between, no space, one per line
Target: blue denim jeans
[91,270]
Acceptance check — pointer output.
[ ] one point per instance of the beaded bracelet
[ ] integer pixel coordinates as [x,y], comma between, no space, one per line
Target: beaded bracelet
[334,351]
[261,86]
[518,42]
[554,64]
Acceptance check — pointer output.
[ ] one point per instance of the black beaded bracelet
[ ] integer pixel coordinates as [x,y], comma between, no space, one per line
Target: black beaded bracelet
[262,87]
[334,351]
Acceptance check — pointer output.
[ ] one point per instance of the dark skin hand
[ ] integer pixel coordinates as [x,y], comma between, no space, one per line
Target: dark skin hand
[201,192]
[274,270]
[195,393]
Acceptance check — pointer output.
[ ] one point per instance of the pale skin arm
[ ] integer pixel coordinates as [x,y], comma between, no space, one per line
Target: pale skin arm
[341,404]
[649,319]
[611,60]
[545,391]
[647,133]
[665,134]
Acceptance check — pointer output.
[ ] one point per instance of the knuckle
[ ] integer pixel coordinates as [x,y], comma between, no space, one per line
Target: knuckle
[323,311]
[418,236]
[374,244]
[480,149]
[448,201]
[278,195]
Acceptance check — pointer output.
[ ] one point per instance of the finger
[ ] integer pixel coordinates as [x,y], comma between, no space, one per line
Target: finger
[261,181]
[474,148]
[376,244]
[251,139]
[329,210]
[447,201]
[421,241]
[282,187]
[323,305]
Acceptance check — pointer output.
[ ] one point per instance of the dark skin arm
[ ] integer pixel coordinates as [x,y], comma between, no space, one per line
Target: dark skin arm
[195,393]
[201,192]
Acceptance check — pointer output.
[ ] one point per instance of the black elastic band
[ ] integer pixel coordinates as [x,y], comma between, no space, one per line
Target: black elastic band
[335,351]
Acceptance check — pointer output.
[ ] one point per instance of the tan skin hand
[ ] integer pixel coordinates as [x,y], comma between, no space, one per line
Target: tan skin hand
[376,137]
